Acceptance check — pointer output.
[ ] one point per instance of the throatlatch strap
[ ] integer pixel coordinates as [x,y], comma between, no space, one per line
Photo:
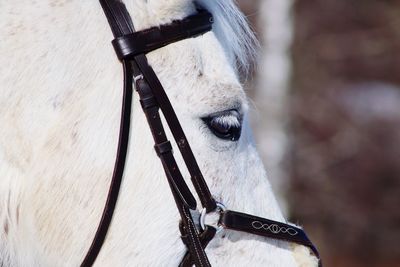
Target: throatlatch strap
[119,166]
[121,24]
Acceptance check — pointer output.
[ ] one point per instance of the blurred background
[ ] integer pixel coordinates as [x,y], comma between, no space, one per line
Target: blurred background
[326,96]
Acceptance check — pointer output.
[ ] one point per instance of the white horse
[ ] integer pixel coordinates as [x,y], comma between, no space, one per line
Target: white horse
[60,95]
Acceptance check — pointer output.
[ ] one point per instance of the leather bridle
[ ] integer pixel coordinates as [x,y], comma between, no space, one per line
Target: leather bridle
[131,48]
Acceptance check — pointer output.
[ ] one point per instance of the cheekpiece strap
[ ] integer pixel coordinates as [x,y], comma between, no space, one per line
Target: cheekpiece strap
[142,42]
[205,238]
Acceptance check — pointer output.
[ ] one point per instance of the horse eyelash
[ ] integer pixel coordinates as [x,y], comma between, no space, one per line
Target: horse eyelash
[228,120]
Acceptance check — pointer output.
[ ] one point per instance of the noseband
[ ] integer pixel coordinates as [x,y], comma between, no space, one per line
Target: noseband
[131,48]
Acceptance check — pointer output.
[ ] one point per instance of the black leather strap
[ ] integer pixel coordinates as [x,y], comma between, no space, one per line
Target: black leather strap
[119,166]
[183,197]
[122,24]
[128,46]
[199,183]
[163,146]
[205,237]
[238,221]
[118,17]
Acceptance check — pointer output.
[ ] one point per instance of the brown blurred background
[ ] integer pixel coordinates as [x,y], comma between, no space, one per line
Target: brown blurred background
[327,94]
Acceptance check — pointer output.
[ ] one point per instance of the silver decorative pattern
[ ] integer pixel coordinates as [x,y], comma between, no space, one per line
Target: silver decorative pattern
[274,228]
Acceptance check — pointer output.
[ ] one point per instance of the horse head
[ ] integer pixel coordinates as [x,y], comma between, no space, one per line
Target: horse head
[72,106]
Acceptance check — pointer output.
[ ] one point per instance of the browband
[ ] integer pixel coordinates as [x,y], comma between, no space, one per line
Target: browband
[130,45]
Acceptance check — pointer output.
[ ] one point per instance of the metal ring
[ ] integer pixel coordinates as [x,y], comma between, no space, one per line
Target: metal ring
[220,208]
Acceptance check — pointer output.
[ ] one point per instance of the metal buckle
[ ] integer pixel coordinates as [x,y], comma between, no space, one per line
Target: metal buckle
[220,208]
[136,79]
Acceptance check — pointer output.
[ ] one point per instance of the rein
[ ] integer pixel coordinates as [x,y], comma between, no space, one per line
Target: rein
[131,48]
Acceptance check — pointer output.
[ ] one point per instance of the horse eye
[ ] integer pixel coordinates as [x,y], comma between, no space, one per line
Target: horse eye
[225,125]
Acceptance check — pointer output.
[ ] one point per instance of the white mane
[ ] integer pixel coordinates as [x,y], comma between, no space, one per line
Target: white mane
[234,33]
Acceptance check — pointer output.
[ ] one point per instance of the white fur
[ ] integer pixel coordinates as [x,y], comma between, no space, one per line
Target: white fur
[59,114]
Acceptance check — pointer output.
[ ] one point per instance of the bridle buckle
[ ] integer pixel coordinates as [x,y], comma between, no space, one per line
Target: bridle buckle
[137,78]
[220,209]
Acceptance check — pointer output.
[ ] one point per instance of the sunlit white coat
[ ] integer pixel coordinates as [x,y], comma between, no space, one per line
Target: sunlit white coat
[60,97]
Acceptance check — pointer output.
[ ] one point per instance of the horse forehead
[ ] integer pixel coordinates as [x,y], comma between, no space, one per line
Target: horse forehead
[152,13]
[197,72]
